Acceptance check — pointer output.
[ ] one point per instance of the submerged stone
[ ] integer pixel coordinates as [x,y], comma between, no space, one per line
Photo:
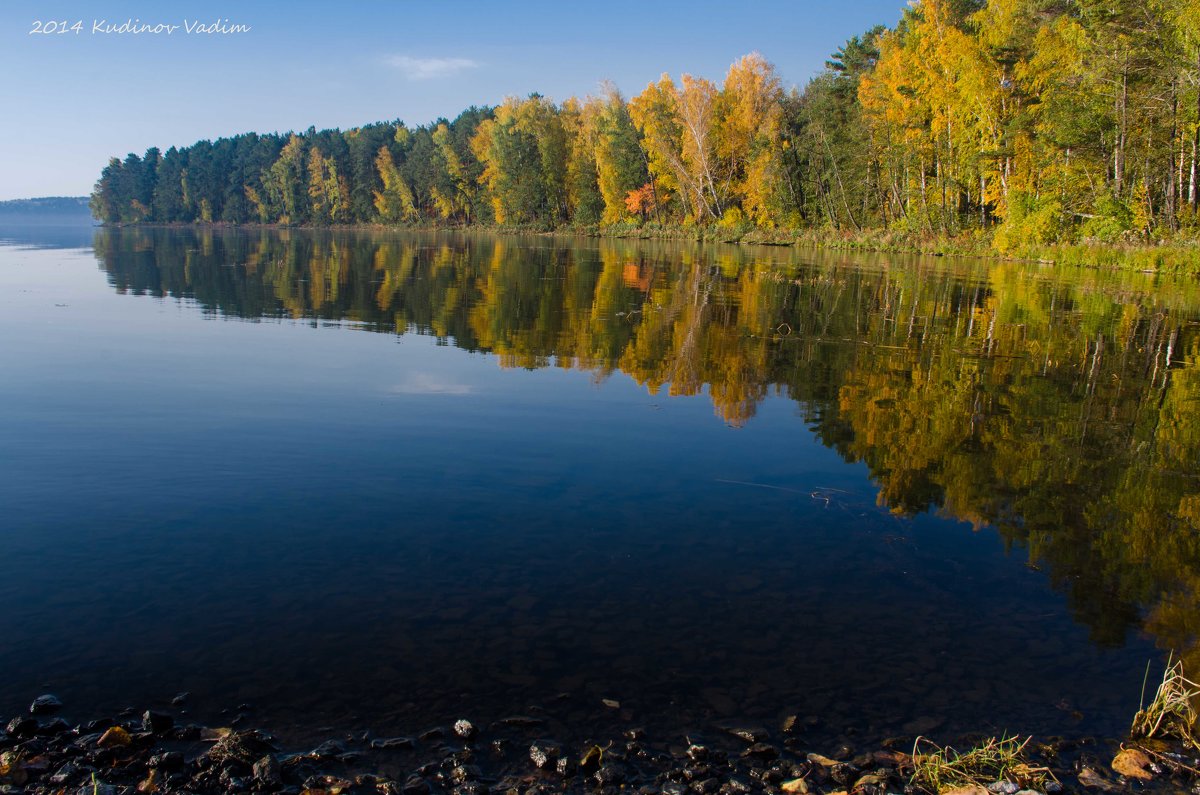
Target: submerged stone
[415,785]
[521,721]
[329,749]
[47,704]
[750,734]
[53,727]
[762,751]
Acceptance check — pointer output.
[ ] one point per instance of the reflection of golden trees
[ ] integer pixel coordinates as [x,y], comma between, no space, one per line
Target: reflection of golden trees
[1065,419]
[1064,411]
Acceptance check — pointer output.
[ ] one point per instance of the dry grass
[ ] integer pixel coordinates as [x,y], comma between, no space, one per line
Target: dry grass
[1171,712]
[937,769]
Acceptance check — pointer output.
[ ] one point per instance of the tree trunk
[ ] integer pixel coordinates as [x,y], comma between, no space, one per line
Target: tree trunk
[925,198]
[838,176]
[1179,172]
[1119,150]
[1192,192]
[1169,208]
[1193,189]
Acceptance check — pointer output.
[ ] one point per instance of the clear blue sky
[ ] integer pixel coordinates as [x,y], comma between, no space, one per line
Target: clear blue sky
[69,102]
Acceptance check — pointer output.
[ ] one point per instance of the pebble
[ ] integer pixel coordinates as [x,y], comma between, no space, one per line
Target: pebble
[170,760]
[762,751]
[113,738]
[157,722]
[415,785]
[328,750]
[45,705]
[751,734]
[543,753]
[21,727]
[465,773]
[53,727]
[267,772]
[65,773]
[611,774]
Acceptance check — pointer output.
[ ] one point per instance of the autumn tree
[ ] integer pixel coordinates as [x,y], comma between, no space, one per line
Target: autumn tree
[394,201]
[284,184]
[620,164]
[585,203]
[327,189]
[751,136]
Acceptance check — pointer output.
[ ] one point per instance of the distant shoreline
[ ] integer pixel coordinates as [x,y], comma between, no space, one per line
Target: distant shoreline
[47,210]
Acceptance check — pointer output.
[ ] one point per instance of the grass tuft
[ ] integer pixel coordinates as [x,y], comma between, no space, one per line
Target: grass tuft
[1171,712]
[937,769]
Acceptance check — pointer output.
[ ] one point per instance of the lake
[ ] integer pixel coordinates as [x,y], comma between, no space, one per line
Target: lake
[380,481]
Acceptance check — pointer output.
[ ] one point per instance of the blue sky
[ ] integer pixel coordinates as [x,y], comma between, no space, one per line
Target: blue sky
[70,101]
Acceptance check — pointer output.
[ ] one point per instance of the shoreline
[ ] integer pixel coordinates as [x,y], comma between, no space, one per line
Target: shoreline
[1178,258]
[152,751]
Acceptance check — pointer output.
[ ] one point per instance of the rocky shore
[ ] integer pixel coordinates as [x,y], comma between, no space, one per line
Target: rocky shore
[159,752]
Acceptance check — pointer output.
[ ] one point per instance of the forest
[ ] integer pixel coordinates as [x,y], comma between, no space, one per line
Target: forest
[1011,123]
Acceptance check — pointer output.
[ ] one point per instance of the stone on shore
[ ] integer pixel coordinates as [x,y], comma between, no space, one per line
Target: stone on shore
[45,705]
[115,737]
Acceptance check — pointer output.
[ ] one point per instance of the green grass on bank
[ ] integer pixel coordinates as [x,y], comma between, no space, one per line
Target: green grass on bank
[1178,256]
[1171,712]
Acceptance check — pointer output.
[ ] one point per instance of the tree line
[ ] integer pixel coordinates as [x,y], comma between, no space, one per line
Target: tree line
[1024,121]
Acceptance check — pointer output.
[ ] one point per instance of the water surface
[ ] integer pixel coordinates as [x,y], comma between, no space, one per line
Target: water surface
[382,481]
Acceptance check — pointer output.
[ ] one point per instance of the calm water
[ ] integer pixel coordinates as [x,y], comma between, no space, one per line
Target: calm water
[382,481]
